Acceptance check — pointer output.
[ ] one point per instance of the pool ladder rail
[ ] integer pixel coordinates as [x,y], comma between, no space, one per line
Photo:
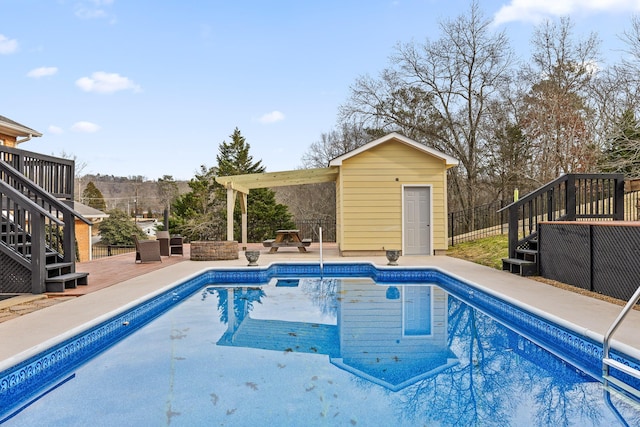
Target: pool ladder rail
[608,362]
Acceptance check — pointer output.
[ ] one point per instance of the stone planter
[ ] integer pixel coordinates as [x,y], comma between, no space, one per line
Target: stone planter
[252,257]
[392,256]
[203,250]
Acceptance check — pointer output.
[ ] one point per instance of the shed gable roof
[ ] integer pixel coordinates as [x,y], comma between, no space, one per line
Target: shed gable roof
[394,136]
[12,128]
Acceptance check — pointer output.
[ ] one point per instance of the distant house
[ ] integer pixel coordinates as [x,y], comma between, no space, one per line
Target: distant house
[84,231]
[148,226]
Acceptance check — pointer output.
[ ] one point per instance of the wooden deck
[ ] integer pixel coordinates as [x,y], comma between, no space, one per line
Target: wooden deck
[109,271]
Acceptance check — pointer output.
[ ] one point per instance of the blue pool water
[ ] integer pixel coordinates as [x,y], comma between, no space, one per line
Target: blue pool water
[266,347]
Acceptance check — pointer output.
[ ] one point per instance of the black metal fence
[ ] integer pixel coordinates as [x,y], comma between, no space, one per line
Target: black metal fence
[482,221]
[486,220]
[309,229]
[101,251]
[465,225]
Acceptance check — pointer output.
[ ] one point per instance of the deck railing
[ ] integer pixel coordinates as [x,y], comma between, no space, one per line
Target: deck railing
[52,174]
[570,197]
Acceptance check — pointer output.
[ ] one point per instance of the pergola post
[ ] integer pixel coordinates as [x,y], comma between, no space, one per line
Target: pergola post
[231,204]
[231,201]
[243,207]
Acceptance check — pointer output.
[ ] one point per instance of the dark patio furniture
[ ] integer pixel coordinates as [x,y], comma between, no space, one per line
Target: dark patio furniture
[147,250]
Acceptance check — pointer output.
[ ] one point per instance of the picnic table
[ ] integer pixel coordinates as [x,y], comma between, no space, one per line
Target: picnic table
[287,239]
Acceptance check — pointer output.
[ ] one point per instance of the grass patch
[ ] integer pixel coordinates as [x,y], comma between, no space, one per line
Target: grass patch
[488,251]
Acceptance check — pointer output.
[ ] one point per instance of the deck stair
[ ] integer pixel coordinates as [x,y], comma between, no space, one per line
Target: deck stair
[37,228]
[525,261]
[59,275]
[571,197]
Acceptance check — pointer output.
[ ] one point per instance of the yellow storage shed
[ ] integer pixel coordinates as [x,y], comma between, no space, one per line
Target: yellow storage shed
[391,194]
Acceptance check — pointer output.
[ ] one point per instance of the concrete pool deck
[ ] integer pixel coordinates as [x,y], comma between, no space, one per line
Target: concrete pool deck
[29,334]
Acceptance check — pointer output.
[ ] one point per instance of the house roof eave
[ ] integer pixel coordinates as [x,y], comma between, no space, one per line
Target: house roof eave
[449,161]
[13,128]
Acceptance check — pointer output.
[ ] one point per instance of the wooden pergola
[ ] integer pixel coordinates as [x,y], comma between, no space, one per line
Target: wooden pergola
[244,183]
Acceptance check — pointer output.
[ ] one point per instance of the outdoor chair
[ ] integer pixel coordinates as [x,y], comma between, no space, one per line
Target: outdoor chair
[147,250]
[163,238]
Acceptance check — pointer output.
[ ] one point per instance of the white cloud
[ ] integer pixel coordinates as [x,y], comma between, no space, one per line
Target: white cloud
[36,73]
[272,117]
[56,130]
[93,9]
[8,46]
[85,127]
[101,82]
[538,10]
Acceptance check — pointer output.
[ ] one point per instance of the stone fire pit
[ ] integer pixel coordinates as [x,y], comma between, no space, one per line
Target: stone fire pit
[214,250]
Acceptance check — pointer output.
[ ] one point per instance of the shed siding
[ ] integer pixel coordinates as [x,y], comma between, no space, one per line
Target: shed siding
[370,201]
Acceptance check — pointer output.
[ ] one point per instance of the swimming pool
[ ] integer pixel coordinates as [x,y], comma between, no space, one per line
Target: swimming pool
[286,352]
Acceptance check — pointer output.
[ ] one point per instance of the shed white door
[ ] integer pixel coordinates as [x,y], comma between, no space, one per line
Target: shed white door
[417,221]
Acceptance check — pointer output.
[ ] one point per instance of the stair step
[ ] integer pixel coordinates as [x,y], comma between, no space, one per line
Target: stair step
[527,254]
[65,281]
[527,251]
[520,266]
[58,265]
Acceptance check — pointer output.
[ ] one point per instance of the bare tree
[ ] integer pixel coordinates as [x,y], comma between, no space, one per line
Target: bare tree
[335,143]
[437,93]
[557,113]
[617,105]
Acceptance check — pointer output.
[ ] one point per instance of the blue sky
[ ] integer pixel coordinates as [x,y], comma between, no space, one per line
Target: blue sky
[149,88]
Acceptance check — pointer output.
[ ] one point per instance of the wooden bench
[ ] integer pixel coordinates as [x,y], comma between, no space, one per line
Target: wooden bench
[268,243]
[271,243]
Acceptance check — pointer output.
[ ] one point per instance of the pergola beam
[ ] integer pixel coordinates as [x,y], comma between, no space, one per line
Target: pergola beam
[244,183]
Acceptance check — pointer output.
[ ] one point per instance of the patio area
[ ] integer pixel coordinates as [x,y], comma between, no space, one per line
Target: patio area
[118,282]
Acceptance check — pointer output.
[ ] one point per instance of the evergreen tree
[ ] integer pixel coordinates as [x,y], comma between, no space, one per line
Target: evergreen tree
[201,214]
[118,229]
[264,215]
[194,213]
[623,154]
[93,197]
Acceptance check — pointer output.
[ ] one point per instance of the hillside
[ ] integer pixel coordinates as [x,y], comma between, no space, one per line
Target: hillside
[126,193]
